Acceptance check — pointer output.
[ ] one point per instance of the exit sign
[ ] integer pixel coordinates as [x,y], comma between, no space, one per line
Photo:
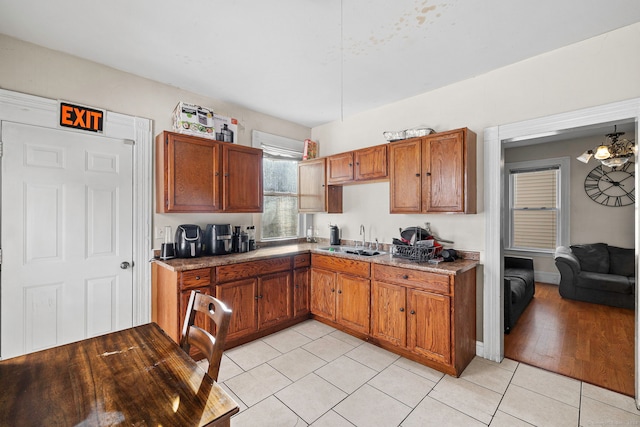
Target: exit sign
[83,118]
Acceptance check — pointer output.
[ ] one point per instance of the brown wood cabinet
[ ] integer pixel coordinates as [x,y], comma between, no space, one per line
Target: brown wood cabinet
[366,164]
[195,174]
[425,316]
[261,295]
[434,174]
[301,288]
[314,195]
[170,295]
[241,178]
[341,291]
[340,168]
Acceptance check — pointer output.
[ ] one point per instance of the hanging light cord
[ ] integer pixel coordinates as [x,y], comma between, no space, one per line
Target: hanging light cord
[341,61]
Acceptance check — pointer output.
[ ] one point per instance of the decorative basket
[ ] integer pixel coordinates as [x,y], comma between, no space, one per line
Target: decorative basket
[418,253]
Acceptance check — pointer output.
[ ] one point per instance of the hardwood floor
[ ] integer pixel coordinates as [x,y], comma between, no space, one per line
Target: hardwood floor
[589,342]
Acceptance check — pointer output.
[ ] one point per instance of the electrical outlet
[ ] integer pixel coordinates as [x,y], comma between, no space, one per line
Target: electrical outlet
[159,232]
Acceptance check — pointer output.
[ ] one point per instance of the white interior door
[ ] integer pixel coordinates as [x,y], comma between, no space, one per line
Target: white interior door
[66,228]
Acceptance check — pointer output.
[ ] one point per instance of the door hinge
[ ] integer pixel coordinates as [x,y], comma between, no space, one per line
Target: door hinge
[0,256]
[1,146]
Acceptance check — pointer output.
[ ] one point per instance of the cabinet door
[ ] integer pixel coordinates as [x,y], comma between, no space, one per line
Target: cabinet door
[187,174]
[443,173]
[354,302]
[240,297]
[311,186]
[242,178]
[388,313]
[202,320]
[371,163]
[340,168]
[275,300]
[323,293]
[300,292]
[405,169]
[429,324]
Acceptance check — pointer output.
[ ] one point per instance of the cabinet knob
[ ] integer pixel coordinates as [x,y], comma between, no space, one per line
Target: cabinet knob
[259,297]
[339,292]
[217,173]
[297,286]
[333,290]
[197,277]
[413,312]
[402,309]
[226,174]
[350,164]
[417,174]
[405,277]
[428,174]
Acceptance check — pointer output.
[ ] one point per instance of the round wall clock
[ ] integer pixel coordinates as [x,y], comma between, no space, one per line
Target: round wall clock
[611,187]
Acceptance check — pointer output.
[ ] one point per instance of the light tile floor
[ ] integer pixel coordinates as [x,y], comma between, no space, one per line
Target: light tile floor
[314,375]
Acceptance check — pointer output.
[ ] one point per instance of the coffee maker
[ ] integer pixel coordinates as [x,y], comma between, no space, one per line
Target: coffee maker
[217,239]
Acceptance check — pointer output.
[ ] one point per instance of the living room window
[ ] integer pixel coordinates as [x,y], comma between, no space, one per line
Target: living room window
[537,209]
[279,219]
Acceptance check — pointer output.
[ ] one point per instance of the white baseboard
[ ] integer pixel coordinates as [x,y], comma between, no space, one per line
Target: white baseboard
[547,277]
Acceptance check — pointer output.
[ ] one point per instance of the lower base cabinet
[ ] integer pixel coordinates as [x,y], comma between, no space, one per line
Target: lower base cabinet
[425,316]
[338,296]
[264,296]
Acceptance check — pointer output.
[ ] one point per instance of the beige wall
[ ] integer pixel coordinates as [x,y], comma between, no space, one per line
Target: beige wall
[590,221]
[567,79]
[31,69]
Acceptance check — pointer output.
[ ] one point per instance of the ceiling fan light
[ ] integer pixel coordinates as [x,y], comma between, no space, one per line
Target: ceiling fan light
[614,161]
[585,157]
[602,152]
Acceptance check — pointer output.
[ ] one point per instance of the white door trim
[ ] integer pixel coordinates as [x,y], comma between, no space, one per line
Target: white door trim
[33,110]
[496,139]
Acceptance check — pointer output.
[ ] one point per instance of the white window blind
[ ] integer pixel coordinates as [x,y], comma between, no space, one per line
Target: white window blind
[536,221]
[280,218]
[535,209]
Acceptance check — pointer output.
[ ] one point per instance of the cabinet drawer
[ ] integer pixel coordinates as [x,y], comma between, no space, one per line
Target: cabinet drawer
[341,265]
[195,278]
[414,278]
[245,270]
[302,260]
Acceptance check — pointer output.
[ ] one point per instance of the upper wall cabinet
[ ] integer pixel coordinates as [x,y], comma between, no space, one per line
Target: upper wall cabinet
[196,174]
[367,164]
[434,174]
[314,195]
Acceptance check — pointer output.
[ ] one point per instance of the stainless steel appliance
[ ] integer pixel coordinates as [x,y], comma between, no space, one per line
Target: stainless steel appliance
[188,241]
[217,239]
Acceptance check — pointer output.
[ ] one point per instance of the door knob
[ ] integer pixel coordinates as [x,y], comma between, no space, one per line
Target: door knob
[124,265]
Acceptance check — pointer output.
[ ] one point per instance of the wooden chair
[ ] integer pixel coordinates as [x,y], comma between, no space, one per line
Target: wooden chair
[211,346]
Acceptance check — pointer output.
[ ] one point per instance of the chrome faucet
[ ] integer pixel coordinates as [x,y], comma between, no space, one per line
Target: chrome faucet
[362,232]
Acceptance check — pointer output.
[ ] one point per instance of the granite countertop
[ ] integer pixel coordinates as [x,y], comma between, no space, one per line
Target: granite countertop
[451,268]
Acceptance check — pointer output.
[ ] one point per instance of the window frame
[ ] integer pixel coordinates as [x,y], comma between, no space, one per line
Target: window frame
[563,203]
[260,139]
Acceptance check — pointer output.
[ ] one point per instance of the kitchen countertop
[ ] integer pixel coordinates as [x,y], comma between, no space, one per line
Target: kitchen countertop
[450,268]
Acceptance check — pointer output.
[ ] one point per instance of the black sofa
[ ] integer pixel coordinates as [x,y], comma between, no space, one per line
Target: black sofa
[597,273]
[519,288]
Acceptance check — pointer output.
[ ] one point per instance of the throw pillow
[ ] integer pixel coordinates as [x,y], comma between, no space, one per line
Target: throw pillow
[621,261]
[593,257]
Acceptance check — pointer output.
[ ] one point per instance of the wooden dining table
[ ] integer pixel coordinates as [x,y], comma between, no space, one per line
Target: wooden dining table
[137,377]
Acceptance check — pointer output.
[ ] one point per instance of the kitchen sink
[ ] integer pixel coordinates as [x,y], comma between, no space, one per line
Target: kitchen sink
[352,250]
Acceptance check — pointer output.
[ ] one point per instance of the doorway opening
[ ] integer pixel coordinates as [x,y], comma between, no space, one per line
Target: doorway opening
[496,140]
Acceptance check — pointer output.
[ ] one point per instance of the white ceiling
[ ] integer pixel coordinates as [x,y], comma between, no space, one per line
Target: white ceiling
[310,61]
